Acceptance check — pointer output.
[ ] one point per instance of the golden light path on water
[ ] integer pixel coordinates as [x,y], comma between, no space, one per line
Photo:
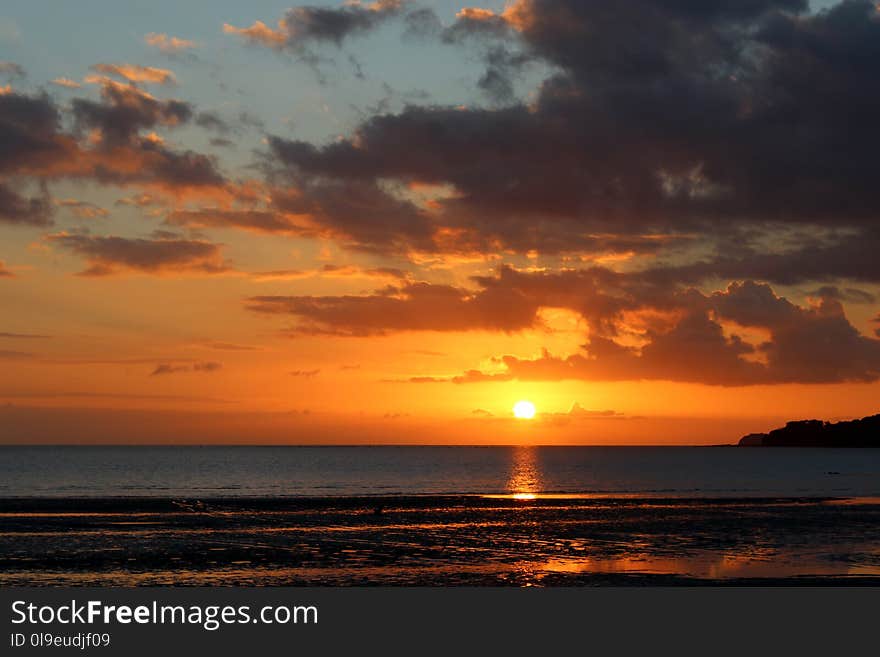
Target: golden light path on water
[525,475]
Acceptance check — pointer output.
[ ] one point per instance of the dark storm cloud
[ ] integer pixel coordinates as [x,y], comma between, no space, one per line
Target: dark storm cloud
[110,255]
[662,118]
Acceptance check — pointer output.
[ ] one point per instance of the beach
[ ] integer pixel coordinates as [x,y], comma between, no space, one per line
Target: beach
[452,540]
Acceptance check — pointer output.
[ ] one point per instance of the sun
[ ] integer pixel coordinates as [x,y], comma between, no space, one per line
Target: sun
[524,410]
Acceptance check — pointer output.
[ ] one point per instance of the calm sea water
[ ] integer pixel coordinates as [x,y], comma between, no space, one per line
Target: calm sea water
[340,471]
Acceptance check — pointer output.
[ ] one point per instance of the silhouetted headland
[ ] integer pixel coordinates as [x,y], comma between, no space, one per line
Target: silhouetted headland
[816,433]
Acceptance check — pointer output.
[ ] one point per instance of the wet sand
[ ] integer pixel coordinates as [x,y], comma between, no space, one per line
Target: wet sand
[439,540]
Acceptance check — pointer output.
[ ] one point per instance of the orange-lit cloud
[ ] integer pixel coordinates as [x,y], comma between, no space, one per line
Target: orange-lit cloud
[332,271]
[259,33]
[137,73]
[686,341]
[66,83]
[168,44]
[82,209]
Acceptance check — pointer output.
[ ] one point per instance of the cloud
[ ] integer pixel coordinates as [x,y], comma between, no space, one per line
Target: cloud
[475,24]
[407,307]
[229,346]
[304,26]
[113,152]
[168,368]
[112,255]
[848,295]
[804,345]
[67,83]
[262,221]
[125,110]
[11,70]
[137,73]
[168,45]
[83,209]
[24,336]
[111,395]
[637,327]
[213,121]
[812,258]
[305,373]
[17,209]
[29,133]
[210,120]
[15,355]
[578,413]
[5,273]
[717,115]
[332,271]
[140,201]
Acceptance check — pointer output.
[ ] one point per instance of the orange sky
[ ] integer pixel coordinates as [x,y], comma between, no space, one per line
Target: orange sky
[386,253]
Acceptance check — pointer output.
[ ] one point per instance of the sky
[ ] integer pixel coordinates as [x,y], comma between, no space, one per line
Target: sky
[388,222]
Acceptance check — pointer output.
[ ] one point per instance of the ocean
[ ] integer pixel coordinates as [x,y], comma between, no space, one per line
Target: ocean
[286,472]
[426,516]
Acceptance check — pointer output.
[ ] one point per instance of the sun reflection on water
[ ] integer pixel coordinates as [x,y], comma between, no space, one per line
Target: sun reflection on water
[525,475]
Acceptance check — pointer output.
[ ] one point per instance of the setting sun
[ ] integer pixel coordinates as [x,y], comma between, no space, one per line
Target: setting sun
[524,410]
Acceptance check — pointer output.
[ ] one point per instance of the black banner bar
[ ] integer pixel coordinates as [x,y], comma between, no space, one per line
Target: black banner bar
[390,621]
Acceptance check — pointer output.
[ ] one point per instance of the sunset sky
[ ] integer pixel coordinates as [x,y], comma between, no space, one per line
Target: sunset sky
[388,222]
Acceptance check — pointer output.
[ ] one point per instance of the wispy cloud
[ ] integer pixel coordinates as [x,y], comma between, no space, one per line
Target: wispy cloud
[169,45]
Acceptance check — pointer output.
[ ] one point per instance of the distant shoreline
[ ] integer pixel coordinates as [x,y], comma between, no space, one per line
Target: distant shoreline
[816,433]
